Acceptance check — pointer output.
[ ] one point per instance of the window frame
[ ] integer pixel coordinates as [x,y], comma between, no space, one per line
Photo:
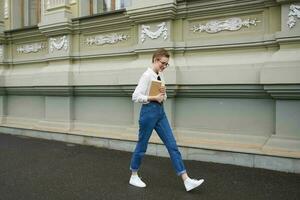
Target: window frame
[25,11]
[112,7]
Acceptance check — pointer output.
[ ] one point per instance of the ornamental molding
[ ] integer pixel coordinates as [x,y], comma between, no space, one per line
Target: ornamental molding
[106,39]
[6,12]
[30,48]
[231,24]
[60,43]
[161,31]
[293,14]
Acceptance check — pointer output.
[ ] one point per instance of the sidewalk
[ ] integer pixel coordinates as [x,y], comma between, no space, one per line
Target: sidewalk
[35,169]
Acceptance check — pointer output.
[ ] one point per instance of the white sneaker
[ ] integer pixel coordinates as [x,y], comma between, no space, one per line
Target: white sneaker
[192,183]
[136,181]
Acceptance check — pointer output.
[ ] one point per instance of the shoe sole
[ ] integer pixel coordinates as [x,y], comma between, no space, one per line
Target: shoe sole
[137,185]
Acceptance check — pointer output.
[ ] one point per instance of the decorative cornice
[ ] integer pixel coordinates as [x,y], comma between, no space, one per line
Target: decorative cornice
[231,24]
[283,91]
[28,34]
[198,91]
[293,15]
[285,1]
[208,91]
[2,38]
[2,91]
[31,48]
[106,39]
[192,9]
[60,28]
[161,12]
[116,91]
[161,31]
[222,91]
[45,91]
[112,91]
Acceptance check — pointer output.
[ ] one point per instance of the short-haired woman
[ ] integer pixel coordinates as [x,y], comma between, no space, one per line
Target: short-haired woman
[153,117]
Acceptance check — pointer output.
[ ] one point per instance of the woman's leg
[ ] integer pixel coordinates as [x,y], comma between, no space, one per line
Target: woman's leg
[164,131]
[147,121]
[140,150]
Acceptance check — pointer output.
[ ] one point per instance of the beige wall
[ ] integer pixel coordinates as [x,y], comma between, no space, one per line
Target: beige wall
[231,90]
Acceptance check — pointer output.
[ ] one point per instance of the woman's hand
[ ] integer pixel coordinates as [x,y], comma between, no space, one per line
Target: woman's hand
[162,89]
[160,97]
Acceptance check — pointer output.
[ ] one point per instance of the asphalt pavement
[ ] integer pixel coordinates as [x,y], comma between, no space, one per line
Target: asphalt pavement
[36,169]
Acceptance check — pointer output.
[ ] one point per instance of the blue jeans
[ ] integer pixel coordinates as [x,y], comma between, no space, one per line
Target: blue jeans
[152,116]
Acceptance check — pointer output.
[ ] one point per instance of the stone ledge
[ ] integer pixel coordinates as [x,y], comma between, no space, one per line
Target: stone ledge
[226,157]
[258,145]
[282,146]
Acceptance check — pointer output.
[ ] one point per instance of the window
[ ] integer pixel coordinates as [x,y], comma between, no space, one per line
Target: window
[102,6]
[30,12]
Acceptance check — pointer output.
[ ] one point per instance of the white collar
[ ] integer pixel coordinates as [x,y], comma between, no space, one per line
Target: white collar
[152,72]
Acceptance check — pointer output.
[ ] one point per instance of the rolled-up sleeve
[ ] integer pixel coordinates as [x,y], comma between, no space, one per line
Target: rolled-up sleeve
[140,93]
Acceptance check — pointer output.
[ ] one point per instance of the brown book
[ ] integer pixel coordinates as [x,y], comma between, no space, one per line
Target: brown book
[154,88]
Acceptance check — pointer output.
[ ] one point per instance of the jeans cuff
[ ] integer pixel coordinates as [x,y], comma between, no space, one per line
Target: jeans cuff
[133,170]
[180,173]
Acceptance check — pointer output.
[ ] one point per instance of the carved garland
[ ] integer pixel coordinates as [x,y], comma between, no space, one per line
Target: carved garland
[161,31]
[231,24]
[61,43]
[293,14]
[106,39]
[30,48]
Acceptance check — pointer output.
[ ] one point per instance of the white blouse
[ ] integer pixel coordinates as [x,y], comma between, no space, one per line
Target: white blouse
[141,92]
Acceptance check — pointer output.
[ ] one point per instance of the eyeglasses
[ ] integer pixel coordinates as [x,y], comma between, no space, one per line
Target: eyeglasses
[164,63]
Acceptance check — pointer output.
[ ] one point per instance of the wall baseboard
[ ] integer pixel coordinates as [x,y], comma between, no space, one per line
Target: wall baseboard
[242,159]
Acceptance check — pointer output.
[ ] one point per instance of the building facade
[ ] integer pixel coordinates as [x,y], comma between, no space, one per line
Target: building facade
[68,69]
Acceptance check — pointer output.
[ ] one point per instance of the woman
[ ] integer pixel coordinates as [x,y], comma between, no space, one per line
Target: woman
[152,116]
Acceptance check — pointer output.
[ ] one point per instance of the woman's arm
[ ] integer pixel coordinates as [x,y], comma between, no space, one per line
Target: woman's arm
[140,93]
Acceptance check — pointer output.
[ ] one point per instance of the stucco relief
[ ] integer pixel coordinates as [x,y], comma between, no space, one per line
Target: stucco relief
[106,39]
[231,24]
[162,31]
[60,43]
[30,48]
[293,15]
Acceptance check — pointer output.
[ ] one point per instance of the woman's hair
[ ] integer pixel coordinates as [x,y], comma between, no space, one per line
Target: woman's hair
[160,53]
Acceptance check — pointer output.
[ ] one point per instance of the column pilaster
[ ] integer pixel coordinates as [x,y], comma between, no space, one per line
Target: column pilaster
[55,17]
